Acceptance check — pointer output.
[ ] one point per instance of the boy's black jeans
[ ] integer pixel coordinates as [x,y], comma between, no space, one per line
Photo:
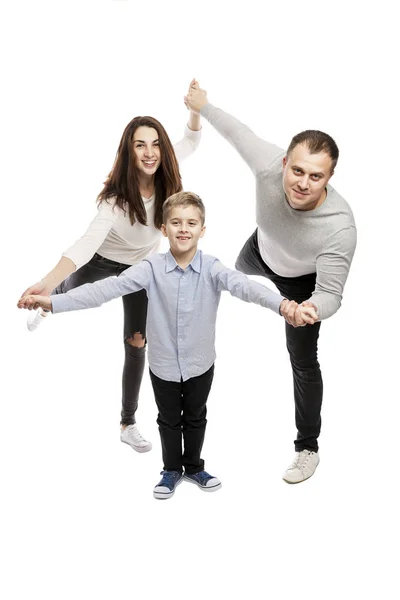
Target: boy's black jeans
[301,343]
[182,414]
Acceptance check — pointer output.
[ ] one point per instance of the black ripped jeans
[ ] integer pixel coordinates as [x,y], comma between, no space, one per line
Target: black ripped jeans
[135,314]
[301,343]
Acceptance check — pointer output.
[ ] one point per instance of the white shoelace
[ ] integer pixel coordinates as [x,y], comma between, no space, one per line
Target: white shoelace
[301,460]
[135,435]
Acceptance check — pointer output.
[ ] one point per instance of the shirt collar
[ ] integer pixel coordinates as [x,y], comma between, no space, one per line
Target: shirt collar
[171,264]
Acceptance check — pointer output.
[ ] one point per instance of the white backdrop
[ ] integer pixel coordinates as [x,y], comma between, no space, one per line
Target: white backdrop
[78,516]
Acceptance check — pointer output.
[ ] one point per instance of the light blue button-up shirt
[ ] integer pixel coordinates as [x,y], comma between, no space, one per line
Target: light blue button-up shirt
[182,308]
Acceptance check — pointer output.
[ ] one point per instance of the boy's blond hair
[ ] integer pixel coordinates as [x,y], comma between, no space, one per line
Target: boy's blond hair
[184,199]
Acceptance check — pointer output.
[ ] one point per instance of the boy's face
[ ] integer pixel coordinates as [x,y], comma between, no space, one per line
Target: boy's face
[183,229]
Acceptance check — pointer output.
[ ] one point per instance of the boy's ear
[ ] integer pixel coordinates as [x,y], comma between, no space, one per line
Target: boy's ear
[163,230]
[203,230]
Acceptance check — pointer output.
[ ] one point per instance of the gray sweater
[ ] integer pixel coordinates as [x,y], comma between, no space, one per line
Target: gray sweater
[293,242]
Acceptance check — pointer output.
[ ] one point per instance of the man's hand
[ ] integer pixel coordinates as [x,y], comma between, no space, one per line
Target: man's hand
[298,316]
[196,98]
[308,311]
[34,301]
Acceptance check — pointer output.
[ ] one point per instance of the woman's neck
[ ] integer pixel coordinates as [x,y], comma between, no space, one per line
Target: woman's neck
[146,185]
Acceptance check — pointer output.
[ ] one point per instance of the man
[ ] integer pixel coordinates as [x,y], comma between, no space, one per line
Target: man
[304,242]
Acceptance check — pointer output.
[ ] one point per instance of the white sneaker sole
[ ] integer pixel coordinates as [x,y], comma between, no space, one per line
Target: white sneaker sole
[212,488]
[140,449]
[166,495]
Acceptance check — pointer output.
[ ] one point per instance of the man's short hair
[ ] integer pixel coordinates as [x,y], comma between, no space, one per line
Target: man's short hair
[316,141]
[184,199]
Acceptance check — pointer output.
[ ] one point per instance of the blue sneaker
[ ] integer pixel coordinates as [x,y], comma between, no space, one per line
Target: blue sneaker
[166,487]
[204,480]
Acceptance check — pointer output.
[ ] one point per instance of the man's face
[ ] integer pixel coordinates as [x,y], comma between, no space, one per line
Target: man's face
[305,176]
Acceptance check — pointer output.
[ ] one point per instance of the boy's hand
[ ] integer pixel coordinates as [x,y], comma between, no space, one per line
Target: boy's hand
[196,98]
[288,311]
[34,301]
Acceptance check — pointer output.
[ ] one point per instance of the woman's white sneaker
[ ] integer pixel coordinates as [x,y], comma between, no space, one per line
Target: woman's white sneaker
[130,435]
[302,467]
[35,318]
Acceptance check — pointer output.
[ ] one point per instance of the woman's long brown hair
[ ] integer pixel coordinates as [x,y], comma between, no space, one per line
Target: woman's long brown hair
[122,184]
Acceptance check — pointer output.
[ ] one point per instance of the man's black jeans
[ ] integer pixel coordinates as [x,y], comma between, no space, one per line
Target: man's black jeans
[301,343]
[182,415]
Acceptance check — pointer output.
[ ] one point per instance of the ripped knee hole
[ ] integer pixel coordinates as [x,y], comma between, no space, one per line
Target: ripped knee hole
[136,340]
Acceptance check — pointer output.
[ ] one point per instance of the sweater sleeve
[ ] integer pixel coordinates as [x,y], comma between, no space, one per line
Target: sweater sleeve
[84,248]
[333,266]
[256,152]
[91,295]
[239,285]
[188,144]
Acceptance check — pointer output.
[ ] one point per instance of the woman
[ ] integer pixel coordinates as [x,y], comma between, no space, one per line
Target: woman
[125,230]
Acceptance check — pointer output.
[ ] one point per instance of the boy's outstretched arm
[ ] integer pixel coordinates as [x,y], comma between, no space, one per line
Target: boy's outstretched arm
[95,294]
[239,285]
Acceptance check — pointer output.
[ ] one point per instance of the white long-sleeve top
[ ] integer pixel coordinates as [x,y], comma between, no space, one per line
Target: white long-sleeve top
[111,233]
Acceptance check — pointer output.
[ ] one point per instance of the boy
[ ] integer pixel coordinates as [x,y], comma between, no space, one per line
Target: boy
[183,288]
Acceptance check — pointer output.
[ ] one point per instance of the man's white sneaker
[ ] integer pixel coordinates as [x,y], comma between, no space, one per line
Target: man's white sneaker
[130,435]
[35,318]
[302,467]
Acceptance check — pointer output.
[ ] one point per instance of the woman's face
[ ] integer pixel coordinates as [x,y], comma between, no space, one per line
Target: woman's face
[146,147]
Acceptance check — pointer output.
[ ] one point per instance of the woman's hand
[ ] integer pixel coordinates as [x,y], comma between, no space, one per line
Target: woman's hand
[194,119]
[41,288]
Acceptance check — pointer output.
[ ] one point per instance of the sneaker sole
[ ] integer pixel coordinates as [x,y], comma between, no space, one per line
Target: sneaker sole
[213,488]
[166,495]
[138,448]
